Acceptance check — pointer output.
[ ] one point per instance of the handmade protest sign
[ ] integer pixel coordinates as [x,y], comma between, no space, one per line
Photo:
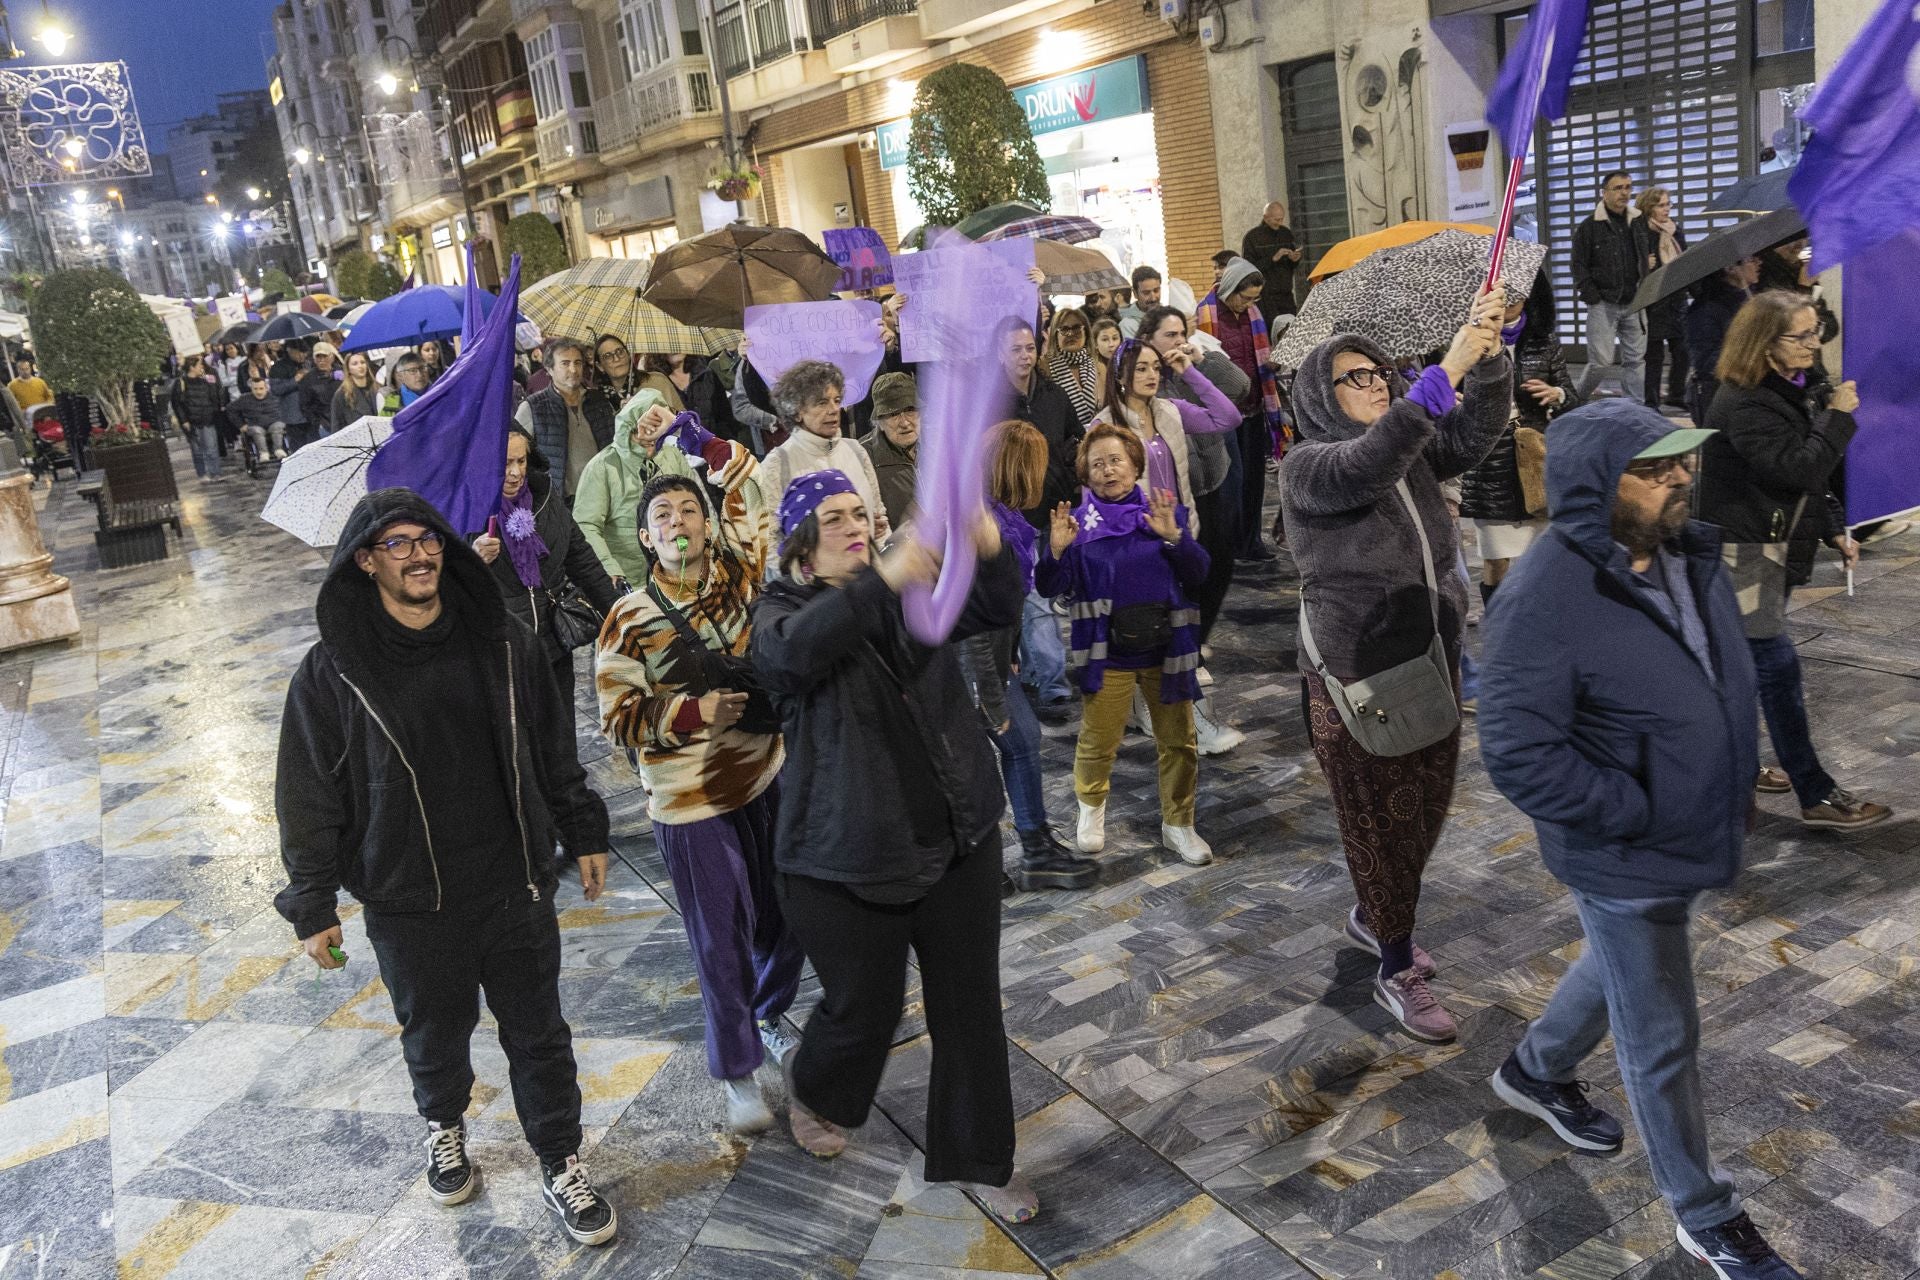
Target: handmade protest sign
[782,334]
[862,255]
[991,277]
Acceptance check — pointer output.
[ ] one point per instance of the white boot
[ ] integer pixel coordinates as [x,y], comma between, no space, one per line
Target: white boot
[1203,677]
[1092,833]
[1186,842]
[746,1109]
[1213,737]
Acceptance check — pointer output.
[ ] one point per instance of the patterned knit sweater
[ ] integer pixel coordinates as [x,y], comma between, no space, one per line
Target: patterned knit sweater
[646,677]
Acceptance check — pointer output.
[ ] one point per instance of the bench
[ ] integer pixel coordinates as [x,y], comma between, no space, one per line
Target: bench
[135,531]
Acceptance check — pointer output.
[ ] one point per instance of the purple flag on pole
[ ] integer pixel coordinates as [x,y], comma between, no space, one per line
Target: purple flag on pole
[1883,314]
[450,445]
[1859,179]
[470,311]
[1533,80]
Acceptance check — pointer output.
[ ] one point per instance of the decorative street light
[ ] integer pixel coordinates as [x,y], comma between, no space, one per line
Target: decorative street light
[389,82]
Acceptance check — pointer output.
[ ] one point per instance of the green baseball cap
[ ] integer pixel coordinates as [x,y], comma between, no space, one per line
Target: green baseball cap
[1684,440]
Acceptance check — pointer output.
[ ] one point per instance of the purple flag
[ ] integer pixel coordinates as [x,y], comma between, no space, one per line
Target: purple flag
[1534,78]
[470,310]
[1859,179]
[450,445]
[1883,314]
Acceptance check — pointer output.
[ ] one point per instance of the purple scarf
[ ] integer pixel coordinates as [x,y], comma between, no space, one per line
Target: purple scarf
[522,536]
[1099,519]
[1018,534]
[1511,334]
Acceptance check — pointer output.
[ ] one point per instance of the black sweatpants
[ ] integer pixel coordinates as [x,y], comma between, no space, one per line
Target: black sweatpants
[859,949]
[1256,446]
[1219,514]
[436,964]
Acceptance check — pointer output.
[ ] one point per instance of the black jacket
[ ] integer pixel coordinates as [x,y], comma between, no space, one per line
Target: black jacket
[1046,406]
[874,719]
[350,813]
[1491,490]
[199,402]
[1709,316]
[1606,262]
[1771,451]
[1665,317]
[316,400]
[568,559]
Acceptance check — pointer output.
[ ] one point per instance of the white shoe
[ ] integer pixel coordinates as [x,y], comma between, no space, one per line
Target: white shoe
[746,1109]
[1204,677]
[1186,842]
[1212,737]
[1091,835]
[1141,720]
[1206,653]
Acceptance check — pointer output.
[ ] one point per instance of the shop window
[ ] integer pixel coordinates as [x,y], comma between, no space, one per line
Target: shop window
[1316,164]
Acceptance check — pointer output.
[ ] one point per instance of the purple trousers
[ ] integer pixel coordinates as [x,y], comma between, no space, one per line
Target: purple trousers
[747,959]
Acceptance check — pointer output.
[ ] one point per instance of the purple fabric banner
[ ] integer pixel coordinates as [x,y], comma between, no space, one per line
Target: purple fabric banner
[1882,315]
[862,255]
[989,280]
[450,445]
[782,334]
[1533,80]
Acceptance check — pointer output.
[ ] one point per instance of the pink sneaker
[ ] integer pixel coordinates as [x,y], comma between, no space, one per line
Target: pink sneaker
[1406,997]
[1362,937]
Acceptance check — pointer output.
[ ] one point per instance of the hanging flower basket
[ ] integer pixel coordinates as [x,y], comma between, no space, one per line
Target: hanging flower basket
[736,184]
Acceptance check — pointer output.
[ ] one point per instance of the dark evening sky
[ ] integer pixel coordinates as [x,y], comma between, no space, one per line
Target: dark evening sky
[180,53]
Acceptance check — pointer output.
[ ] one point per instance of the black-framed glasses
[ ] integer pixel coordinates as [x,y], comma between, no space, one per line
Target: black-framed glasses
[1364,377]
[401,546]
[619,352]
[1662,470]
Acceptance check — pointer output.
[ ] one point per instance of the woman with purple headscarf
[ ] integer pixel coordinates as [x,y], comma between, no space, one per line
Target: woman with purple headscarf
[535,551]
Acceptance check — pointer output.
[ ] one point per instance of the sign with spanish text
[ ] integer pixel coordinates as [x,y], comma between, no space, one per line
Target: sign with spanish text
[1106,92]
[862,255]
[232,309]
[950,291]
[845,334]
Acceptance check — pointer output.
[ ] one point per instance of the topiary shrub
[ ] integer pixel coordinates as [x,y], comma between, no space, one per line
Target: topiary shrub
[350,271]
[970,146]
[542,251]
[383,281]
[93,334]
[276,282]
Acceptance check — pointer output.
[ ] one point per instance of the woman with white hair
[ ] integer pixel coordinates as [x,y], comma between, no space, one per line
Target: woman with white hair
[807,398]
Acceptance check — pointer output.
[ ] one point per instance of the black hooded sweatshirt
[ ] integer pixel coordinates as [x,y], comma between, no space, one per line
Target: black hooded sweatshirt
[352,780]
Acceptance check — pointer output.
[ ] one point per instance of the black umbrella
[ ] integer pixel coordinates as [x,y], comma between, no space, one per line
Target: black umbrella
[336,313]
[233,333]
[290,326]
[1762,193]
[1718,251]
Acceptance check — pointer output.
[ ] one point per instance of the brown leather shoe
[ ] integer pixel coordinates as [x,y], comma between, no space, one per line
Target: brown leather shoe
[1845,812]
[1773,782]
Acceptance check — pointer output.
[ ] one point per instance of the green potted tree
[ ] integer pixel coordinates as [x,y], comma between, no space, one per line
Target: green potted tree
[970,146]
[542,251]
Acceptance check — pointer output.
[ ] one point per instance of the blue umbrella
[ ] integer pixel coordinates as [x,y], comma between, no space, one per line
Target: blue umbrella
[409,318]
[1761,193]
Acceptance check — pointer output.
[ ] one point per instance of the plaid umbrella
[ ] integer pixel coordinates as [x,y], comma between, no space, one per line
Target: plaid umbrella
[1068,228]
[1071,270]
[713,279]
[1409,299]
[976,225]
[602,295]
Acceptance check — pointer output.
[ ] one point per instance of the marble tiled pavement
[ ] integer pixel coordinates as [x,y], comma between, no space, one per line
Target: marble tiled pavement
[1204,1086]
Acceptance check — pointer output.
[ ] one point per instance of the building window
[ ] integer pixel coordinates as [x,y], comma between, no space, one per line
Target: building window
[1316,163]
[543,69]
[644,41]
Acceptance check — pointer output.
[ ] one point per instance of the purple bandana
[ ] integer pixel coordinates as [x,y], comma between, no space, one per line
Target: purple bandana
[1511,334]
[518,530]
[806,493]
[1120,353]
[1018,534]
[1099,519]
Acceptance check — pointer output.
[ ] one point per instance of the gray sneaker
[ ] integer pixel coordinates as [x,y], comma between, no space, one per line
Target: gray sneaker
[778,1040]
[1406,997]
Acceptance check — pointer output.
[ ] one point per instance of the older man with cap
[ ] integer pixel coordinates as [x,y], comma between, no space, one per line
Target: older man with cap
[317,385]
[893,446]
[1616,710]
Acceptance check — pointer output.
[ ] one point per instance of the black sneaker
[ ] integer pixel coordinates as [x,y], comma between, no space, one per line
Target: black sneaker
[1736,1251]
[1563,1106]
[1046,863]
[586,1213]
[451,1177]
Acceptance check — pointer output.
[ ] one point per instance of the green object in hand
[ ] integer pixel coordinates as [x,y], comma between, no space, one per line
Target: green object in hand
[337,954]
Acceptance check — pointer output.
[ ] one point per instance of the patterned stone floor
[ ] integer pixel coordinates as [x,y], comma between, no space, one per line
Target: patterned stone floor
[1205,1088]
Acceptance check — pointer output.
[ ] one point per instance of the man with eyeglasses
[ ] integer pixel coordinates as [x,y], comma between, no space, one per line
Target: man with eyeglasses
[427,766]
[1616,711]
[1607,267]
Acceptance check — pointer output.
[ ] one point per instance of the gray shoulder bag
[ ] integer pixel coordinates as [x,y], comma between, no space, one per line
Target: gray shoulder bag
[1759,574]
[1404,708]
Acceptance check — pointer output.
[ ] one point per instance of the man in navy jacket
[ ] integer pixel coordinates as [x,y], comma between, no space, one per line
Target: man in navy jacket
[1617,711]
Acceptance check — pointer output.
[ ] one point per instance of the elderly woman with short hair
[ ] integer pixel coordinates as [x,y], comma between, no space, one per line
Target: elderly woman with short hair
[807,398]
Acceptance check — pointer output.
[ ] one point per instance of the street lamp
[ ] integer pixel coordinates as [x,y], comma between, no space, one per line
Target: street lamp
[413,61]
[388,82]
[253,193]
[53,37]
[73,147]
[301,155]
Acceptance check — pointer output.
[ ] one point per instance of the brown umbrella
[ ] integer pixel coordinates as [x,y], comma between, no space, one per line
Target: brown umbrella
[712,279]
[1071,269]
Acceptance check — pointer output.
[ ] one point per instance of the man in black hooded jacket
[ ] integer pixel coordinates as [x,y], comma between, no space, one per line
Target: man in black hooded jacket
[427,766]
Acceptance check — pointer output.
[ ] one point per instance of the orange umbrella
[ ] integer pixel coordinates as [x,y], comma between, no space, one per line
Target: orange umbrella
[1348,252]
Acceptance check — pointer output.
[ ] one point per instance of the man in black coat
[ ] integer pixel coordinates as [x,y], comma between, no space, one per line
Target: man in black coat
[1274,253]
[1606,273]
[427,766]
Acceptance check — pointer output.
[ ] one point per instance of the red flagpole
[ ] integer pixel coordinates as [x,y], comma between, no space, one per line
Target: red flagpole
[1496,256]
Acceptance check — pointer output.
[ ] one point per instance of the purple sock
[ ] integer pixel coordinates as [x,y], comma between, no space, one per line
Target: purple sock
[1396,957]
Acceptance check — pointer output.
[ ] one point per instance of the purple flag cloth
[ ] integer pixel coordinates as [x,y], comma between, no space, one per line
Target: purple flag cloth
[450,445]
[470,311]
[1534,78]
[1883,314]
[1858,182]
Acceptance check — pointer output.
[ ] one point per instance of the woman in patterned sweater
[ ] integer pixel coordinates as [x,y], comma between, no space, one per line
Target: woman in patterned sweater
[713,777]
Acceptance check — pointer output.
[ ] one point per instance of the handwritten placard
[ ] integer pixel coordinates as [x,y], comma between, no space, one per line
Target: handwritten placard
[782,334]
[862,255]
[954,295]
[231,308]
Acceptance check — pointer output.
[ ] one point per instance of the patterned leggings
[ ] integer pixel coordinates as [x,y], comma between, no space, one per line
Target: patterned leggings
[1391,809]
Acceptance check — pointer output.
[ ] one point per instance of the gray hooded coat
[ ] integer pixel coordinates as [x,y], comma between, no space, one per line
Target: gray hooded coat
[1350,534]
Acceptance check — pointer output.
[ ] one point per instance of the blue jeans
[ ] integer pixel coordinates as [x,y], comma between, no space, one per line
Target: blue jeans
[1638,967]
[1020,761]
[1043,658]
[1783,703]
[206,451]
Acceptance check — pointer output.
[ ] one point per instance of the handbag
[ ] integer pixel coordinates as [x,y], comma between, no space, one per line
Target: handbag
[1139,628]
[1530,461]
[721,670]
[1406,707]
[1759,573]
[574,621]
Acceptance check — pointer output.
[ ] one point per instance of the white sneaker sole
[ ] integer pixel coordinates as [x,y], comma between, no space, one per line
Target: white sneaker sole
[1694,1251]
[1380,998]
[1521,1102]
[464,1194]
[601,1236]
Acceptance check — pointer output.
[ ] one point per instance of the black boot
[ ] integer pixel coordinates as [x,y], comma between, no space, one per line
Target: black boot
[1486,593]
[1046,863]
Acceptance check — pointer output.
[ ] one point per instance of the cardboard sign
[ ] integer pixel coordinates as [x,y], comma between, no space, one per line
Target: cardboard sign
[950,292]
[183,333]
[846,334]
[232,309]
[862,255]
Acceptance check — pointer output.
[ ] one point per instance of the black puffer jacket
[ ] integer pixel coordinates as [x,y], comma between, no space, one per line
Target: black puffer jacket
[349,810]
[198,402]
[878,728]
[1772,450]
[568,559]
[1491,490]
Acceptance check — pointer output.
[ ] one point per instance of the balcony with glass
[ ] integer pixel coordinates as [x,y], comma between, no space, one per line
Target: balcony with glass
[566,134]
[862,34]
[766,50]
[667,99]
